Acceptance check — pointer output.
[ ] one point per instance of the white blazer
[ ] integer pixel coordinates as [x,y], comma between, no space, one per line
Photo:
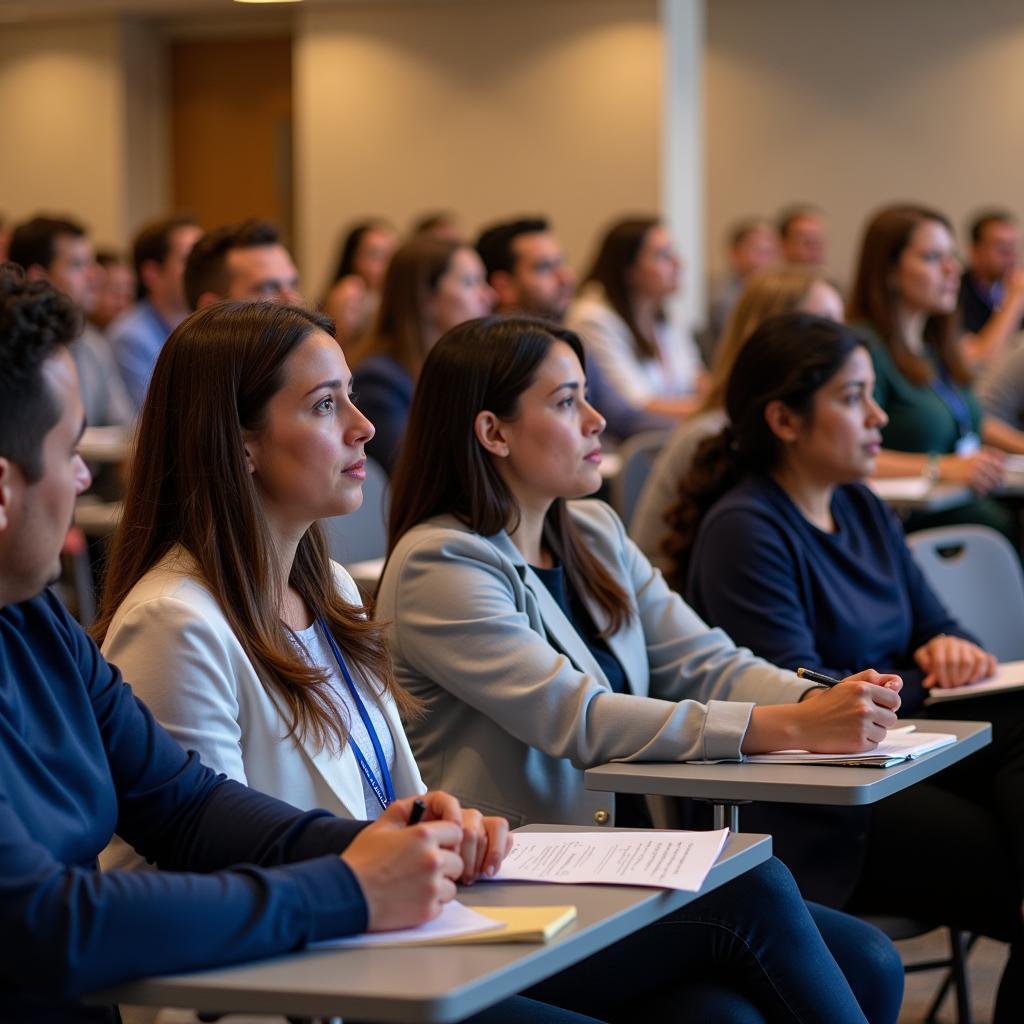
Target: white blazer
[173,644]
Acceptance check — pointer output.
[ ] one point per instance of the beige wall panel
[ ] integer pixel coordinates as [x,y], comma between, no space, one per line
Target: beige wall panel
[487,109]
[147,155]
[62,115]
[855,104]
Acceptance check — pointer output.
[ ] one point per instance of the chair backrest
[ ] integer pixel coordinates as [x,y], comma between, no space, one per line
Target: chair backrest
[362,534]
[977,574]
[638,454]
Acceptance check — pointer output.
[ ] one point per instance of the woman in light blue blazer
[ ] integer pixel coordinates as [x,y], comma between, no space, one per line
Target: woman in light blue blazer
[540,641]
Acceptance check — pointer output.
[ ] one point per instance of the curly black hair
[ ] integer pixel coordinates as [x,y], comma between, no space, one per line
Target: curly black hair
[35,322]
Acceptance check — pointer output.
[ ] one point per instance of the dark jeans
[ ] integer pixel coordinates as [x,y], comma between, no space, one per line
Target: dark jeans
[749,951]
[951,850]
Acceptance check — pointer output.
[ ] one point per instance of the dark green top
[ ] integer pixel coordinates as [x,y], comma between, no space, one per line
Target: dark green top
[919,420]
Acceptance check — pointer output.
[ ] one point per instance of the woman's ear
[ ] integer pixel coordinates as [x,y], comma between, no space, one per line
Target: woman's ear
[782,421]
[251,448]
[6,493]
[490,433]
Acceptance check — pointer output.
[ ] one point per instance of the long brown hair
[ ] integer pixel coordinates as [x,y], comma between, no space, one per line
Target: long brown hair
[485,364]
[873,301]
[189,485]
[768,293]
[401,329]
[618,251]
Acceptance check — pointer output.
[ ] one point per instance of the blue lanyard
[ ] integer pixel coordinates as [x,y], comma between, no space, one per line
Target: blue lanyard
[385,794]
[954,402]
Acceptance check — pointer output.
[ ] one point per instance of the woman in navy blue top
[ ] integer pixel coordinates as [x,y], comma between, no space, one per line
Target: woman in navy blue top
[777,541]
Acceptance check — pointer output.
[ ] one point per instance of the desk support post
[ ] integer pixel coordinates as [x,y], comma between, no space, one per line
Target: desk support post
[734,815]
[719,807]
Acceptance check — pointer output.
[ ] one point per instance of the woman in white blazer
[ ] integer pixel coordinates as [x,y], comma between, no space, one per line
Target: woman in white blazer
[220,602]
[540,641]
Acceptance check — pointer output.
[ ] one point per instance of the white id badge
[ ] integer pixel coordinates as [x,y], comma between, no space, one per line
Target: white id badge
[968,445]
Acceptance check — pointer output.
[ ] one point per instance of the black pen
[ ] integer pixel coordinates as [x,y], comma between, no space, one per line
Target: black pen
[817,677]
[419,808]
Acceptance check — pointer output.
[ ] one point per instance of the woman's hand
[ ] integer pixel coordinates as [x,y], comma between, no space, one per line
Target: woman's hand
[485,842]
[952,661]
[851,717]
[406,873]
[982,472]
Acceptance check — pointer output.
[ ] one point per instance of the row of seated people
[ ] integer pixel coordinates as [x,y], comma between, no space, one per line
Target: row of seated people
[389,304]
[522,635]
[644,372]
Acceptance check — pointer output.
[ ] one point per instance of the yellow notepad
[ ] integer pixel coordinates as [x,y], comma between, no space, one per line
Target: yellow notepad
[521,924]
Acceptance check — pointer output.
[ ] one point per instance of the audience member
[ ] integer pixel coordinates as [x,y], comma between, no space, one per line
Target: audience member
[115,287]
[159,251]
[904,302]
[353,296]
[241,261]
[532,630]
[441,225]
[58,250]
[80,756]
[5,237]
[797,560]
[526,268]
[766,294]
[992,287]
[540,642]
[429,287]
[802,236]
[621,317]
[753,247]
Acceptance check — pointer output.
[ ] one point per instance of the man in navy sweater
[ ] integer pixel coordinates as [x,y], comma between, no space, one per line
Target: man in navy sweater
[81,758]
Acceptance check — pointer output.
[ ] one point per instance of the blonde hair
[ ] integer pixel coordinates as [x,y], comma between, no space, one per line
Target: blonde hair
[768,293]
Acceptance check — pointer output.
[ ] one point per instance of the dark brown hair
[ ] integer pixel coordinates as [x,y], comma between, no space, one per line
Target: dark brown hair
[206,269]
[485,364]
[153,242]
[36,322]
[401,329]
[788,358]
[873,299]
[189,484]
[349,248]
[618,251]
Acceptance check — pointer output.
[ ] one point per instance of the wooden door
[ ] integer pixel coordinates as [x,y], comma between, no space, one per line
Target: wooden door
[231,130]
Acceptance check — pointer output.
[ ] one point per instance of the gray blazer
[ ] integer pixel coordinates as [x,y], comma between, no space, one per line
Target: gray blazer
[517,705]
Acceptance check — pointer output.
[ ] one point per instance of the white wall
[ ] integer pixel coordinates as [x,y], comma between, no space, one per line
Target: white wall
[856,104]
[489,109]
[61,123]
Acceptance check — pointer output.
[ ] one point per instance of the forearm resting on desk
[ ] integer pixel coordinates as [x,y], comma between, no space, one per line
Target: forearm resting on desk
[851,717]
[982,471]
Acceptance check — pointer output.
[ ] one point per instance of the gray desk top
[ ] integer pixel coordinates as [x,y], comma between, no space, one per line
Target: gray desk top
[802,784]
[435,984]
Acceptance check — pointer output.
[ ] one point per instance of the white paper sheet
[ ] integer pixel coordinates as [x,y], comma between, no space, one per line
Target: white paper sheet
[455,919]
[1009,676]
[665,860]
[898,745]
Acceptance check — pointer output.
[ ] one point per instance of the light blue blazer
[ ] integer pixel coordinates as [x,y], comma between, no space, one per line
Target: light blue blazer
[517,707]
